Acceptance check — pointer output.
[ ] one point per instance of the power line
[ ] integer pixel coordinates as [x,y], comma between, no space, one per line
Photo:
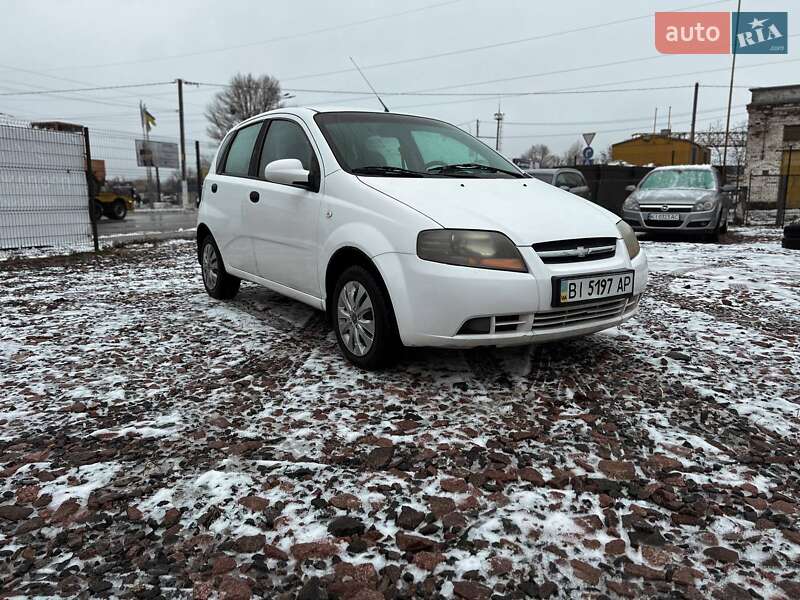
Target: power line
[576,133]
[86,89]
[625,120]
[497,44]
[282,38]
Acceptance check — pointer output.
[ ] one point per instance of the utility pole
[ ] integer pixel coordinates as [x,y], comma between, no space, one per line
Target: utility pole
[146,135]
[669,119]
[477,128]
[498,116]
[199,180]
[694,121]
[730,96]
[184,184]
[655,118]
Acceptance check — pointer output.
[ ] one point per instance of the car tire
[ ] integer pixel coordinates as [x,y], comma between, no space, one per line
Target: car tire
[119,210]
[791,237]
[361,308]
[218,283]
[97,211]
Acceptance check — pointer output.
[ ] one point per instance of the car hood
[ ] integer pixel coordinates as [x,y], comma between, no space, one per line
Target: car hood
[673,196]
[526,210]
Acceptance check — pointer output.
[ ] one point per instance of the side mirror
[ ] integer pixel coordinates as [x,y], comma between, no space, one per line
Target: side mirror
[630,188]
[287,171]
[564,187]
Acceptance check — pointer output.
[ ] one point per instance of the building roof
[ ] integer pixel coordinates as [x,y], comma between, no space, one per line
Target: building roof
[646,137]
[775,95]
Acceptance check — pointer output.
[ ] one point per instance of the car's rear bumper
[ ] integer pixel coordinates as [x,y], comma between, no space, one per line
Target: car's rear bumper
[433,301]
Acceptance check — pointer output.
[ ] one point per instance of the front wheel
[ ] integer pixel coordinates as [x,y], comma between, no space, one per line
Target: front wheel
[216,280]
[363,320]
[119,209]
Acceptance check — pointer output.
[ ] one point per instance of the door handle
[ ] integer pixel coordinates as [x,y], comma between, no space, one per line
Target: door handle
[254,197]
[214,188]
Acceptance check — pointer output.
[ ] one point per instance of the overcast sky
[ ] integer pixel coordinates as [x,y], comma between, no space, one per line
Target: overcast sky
[62,44]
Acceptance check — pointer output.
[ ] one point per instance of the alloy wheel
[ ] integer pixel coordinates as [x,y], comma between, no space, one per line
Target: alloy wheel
[210,266]
[355,318]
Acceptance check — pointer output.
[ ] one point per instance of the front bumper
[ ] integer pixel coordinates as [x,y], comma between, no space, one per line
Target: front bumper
[689,222]
[432,301]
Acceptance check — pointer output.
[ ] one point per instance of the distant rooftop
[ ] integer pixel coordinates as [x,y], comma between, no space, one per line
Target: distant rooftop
[778,94]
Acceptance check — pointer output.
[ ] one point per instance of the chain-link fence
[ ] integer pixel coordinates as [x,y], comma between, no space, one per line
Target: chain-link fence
[44,197]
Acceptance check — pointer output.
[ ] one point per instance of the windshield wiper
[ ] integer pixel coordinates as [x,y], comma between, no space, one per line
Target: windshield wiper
[472,167]
[387,171]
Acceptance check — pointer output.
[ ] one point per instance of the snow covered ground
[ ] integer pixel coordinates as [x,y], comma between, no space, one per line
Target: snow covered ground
[157,443]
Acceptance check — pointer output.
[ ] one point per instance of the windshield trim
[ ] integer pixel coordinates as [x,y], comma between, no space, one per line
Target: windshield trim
[347,169]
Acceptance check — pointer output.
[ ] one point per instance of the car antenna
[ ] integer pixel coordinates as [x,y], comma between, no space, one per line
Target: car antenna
[360,72]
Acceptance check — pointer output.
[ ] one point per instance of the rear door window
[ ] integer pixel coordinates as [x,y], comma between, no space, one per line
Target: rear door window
[237,163]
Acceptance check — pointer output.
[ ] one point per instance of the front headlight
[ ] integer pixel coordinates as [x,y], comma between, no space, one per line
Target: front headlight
[629,237]
[470,248]
[630,203]
[702,205]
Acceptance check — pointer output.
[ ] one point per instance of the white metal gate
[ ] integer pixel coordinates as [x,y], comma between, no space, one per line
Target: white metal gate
[44,198]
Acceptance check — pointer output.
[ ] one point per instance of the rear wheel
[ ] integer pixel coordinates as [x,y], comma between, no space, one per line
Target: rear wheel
[118,209]
[363,320]
[216,280]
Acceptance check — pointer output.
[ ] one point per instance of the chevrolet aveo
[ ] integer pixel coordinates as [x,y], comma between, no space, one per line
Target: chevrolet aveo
[409,231]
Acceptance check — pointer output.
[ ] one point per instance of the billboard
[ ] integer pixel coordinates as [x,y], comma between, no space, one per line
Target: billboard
[157,154]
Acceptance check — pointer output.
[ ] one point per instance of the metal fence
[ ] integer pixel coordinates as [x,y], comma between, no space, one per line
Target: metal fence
[44,196]
[772,198]
[114,154]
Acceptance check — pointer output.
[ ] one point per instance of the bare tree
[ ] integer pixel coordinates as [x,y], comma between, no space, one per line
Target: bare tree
[572,154]
[539,153]
[245,96]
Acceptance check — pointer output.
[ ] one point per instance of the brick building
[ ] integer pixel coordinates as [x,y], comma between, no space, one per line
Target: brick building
[773,145]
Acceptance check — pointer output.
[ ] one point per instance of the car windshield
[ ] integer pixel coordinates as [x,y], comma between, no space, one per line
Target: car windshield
[389,145]
[693,179]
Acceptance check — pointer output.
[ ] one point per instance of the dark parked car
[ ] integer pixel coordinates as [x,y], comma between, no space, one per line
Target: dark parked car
[571,180]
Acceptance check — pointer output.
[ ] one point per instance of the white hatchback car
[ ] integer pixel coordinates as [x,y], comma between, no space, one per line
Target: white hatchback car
[407,230]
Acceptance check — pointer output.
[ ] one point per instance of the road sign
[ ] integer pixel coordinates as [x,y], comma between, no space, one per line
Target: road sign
[156,154]
[588,152]
[588,137]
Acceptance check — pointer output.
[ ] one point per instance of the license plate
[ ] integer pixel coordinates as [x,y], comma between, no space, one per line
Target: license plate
[569,290]
[665,217]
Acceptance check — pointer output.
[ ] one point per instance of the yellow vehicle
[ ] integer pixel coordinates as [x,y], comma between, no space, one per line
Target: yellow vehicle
[113,203]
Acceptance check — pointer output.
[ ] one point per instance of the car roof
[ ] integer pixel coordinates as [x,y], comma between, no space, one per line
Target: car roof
[308,112]
[685,167]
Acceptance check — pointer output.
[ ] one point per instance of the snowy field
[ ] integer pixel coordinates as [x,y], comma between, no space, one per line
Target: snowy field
[157,443]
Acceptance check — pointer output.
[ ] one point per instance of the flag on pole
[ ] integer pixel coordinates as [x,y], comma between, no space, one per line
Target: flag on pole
[148,120]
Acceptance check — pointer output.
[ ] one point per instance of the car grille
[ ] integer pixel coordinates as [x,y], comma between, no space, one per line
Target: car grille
[654,223]
[544,321]
[583,314]
[678,208]
[567,251]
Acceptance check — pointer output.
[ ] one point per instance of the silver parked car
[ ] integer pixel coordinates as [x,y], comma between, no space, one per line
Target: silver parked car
[570,180]
[686,199]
